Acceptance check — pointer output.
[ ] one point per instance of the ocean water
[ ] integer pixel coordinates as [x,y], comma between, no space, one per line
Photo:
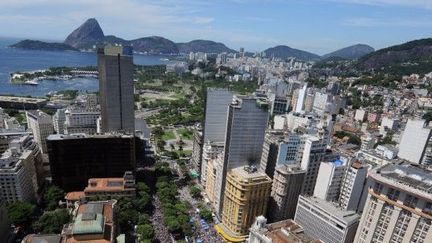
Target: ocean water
[13,60]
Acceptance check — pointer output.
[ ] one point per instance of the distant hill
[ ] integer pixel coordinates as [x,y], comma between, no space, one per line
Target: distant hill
[154,44]
[351,52]
[411,57]
[286,52]
[203,46]
[40,45]
[85,36]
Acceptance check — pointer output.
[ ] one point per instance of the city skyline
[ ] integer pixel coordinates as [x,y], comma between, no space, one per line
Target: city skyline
[318,26]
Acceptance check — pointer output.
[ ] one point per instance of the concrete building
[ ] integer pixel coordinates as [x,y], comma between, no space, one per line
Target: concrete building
[246,196]
[360,115]
[352,188]
[278,232]
[415,145]
[246,125]
[286,188]
[280,148]
[18,178]
[216,112]
[323,220]
[197,152]
[76,158]
[398,206]
[210,151]
[111,188]
[329,180]
[41,125]
[59,119]
[299,104]
[81,120]
[314,152]
[20,103]
[116,91]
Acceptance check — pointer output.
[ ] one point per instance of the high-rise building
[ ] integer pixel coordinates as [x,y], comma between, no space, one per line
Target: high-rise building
[197,147]
[323,220]
[286,188]
[329,180]
[81,120]
[301,99]
[115,65]
[398,206]
[280,148]
[76,158]
[246,125]
[314,150]
[210,151]
[41,125]
[216,112]
[246,196]
[59,119]
[415,145]
[352,187]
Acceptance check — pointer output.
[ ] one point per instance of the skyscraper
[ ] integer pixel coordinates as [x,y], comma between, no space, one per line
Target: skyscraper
[115,65]
[216,111]
[398,206]
[329,180]
[352,187]
[314,150]
[41,125]
[246,125]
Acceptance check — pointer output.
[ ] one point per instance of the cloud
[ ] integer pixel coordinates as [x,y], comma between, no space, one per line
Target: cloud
[427,4]
[374,22]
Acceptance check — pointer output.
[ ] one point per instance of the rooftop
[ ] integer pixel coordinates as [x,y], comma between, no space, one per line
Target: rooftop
[249,172]
[21,99]
[287,231]
[415,177]
[83,135]
[106,184]
[334,211]
[43,239]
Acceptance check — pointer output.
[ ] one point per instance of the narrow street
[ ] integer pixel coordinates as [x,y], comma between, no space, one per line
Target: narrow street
[160,230]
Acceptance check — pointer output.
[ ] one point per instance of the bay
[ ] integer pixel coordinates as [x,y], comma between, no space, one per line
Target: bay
[13,60]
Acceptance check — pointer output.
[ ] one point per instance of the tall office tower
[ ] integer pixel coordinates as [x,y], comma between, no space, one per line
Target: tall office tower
[329,180]
[415,145]
[116,91]
[294,99]
[301,99]
[81,120]
[246,196]
[353,185]
[59,119]
[398,206]
[325,221]
[286,188]
[280,148]
[309,101]
[210,151]
[314,150]
[76,158]
[216,112]
[41,125]
[246,125]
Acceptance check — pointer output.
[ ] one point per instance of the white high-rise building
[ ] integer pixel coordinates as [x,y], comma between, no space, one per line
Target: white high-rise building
[41,125]
[415,144]
[210,151]
[59,119]
[398,206]
[323,220]
[329,180]
[353,185]
[313,154]
[81,120]
[301,98]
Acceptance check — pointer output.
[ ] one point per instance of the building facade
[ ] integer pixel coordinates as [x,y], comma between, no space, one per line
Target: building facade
[41,125]
[398,206]
[352,187]
[115,66]
[329,180]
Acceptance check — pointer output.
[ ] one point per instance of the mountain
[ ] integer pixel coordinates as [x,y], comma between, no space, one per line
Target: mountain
[351,52]
[154,44]
[203,46]
[414,56]
[88,34]
[45,46]
[286,52]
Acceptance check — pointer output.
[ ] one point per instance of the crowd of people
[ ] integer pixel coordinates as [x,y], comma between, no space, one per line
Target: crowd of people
[160,230]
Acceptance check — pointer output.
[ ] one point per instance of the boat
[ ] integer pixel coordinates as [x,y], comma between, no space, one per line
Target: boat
[31,82]
[164,59]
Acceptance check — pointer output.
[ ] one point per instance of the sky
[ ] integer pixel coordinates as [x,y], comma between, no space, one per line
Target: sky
[318,26]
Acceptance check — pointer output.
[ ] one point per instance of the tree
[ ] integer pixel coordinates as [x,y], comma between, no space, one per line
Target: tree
[145,231]
[195,192]
[52,222]
[206,214]
[52,196]
[20,212]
